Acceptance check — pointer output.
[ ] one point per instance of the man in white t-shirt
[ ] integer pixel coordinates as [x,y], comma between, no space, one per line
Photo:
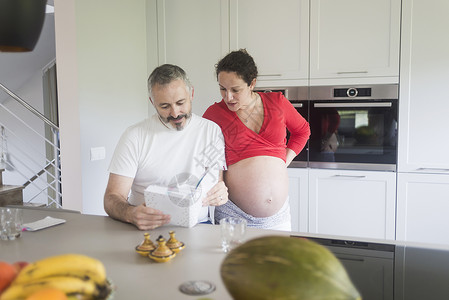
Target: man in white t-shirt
[171,148]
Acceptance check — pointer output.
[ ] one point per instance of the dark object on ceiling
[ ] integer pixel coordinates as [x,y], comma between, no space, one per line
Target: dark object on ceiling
[21,24]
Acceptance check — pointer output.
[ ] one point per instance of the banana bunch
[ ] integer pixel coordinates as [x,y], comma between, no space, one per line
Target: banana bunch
[76,275]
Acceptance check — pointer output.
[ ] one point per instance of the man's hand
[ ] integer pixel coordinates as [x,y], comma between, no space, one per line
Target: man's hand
[217,195]
[147,218]
[116,205]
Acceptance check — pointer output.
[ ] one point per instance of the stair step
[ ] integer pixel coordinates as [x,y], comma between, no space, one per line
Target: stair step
[11,194]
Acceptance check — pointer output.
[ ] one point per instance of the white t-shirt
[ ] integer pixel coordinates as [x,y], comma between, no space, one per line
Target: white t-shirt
[153,154]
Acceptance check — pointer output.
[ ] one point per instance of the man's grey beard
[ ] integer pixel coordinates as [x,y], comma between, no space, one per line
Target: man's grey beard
[179,127]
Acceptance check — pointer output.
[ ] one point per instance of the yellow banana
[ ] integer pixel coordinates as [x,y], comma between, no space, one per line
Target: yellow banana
[69,285]
[73,265]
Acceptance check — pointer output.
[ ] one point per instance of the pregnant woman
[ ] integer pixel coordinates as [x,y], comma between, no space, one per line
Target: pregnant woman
[257,153]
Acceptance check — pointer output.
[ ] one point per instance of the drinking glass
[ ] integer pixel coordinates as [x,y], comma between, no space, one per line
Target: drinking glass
[10,223]
[233,230]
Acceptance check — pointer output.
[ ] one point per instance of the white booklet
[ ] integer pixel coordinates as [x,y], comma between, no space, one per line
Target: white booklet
[43,223]
[182,203]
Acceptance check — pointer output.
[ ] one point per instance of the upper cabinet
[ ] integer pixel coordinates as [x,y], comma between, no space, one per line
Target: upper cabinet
[424,106]
[194,34]
[354,41]
[294,42]
[276,34]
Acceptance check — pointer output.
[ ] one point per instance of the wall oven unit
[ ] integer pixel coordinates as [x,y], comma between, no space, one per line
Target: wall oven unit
[353,127]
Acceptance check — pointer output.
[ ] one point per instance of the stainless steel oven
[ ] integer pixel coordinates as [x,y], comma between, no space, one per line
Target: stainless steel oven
[353,127]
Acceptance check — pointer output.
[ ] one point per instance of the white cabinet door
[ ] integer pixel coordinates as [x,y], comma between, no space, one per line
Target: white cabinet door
[194,34]
[424,101]
[352,203]
[299,198]
[276,34]
[354,41]
[423,208]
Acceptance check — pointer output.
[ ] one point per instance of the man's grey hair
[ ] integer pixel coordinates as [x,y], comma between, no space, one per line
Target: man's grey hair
[165,74]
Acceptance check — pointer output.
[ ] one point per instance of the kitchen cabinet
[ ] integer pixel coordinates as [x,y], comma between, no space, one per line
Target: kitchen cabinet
[423,111]
[299,198]
[423,208]
[342,42]
[194,40]
[371,271]
[423,163]
[276,34]
[354,41]
[352,203]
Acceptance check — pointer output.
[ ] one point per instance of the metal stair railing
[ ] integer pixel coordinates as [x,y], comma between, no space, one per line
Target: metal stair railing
[28,155]
[29,107]
[20,167]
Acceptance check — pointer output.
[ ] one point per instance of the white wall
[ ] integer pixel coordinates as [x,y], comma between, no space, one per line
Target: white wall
[102,69]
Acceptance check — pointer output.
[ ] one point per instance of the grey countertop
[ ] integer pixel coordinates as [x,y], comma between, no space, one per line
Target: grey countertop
[113,242]
[419,271]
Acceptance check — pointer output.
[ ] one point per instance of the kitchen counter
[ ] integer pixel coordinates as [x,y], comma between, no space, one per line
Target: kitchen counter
[403,271]
[113,242]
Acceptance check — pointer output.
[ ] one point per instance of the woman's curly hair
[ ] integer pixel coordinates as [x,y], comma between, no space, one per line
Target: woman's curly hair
[241,63]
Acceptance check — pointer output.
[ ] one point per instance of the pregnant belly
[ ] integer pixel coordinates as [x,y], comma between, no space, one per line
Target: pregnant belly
[258,185]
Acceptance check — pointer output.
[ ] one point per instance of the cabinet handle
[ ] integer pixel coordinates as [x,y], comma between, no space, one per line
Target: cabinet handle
[433,169]
[350,176]
[270,75]
[297,105]
[353,72]
[350,258]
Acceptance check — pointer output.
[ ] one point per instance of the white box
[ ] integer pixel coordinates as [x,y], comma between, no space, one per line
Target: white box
[182,203]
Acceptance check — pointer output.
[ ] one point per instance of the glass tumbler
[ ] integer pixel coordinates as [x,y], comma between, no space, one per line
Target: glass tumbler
[10,223]
[233,230]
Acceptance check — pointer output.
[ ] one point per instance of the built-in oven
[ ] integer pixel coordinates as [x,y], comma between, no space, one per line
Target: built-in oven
[353,127]
[298,96]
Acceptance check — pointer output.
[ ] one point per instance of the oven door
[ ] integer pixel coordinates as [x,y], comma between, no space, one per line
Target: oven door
[348,134]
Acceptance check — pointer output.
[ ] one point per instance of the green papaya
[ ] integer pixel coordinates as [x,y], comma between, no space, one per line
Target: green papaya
[281,267]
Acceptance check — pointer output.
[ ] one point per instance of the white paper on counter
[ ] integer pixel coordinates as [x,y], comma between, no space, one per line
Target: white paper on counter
[43,223]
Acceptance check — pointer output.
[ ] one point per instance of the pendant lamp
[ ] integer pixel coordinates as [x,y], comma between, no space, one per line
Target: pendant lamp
[21,24]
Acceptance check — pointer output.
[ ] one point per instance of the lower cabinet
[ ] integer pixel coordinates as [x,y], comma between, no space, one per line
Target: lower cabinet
[371,271]
[299,198]
[343,202]
[423,208]
[352,203]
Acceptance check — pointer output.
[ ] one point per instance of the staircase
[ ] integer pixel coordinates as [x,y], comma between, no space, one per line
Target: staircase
[10,194]
[29,155]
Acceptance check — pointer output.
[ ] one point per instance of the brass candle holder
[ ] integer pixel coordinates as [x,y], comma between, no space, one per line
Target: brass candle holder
[162,253]
[146,246]
[174,244]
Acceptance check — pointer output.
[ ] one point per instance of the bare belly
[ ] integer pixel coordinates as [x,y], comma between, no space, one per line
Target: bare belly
[258,185]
